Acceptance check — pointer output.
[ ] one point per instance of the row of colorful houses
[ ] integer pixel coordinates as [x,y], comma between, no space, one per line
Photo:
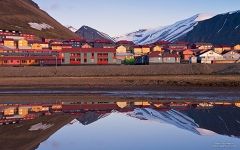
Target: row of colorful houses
[18,49]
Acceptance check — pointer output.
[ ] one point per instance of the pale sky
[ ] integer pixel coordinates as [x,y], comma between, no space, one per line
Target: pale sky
[117,17]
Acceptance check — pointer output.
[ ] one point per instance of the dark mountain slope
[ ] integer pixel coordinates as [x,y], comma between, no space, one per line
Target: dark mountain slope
[221,29]
[17,14]
[91,34]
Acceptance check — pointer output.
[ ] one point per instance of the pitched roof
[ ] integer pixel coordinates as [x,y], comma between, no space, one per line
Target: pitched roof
[155,54]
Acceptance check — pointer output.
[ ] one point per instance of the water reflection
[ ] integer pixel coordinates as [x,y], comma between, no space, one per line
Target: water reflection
[25,126]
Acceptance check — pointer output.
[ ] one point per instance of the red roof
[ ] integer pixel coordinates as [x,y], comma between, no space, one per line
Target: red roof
[125,42]
[26,57]
[170,55]
[145,46]
[92,50]
[137,46]
[103,41]
[154,54]
[8,39]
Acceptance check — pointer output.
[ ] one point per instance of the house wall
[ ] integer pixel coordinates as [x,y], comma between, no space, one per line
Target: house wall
[237,47]
[155,60]
[231,56]
[8,43]
[36,46]
[121,49]
[157,48]
[89,58]
[218,50]
[145,50]
[210,56]
[171,60]
[137,51]
[56,47]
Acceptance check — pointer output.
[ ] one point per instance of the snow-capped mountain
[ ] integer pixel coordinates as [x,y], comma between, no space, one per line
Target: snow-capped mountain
[71,28]
[172,117]
[221,29]
[91,34]
[167,33]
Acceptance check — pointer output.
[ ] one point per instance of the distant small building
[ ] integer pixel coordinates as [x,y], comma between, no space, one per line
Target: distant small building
[56,46]
[236,47]
[157,48]
[202,46]
[220,48]
[178,46]
[171,58]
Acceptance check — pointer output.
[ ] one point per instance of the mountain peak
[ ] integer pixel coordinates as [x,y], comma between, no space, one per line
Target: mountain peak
[91,34]
[204,16]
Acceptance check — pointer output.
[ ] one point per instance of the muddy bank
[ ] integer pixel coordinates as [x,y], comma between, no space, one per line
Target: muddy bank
[121,83]
[123,70]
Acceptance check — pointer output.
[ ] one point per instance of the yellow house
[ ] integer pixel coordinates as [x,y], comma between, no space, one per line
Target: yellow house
[9,43]
[145,49]
[23,111]
[218,50]
[22,43]
[56,46]
[237,47]
[122,104]
[144,103]
[137,50]
[157,48]
[44,45]
[36,46]
[121,49]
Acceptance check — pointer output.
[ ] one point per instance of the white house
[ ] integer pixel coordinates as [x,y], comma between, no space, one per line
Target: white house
[231,55]
[209,56]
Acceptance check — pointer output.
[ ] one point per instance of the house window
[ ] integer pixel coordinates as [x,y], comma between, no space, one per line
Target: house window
[85,60]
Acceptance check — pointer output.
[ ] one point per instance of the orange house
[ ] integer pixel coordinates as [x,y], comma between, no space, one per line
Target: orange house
[187,54]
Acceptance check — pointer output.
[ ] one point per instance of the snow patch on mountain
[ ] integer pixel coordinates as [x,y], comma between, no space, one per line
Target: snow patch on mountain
[168,33]
[172,117]
[40,26]
[71,28]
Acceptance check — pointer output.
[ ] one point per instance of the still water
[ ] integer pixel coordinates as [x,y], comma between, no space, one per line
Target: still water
[116,125]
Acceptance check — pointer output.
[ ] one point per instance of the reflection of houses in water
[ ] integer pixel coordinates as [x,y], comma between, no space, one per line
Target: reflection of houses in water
[12,113]
[237,104]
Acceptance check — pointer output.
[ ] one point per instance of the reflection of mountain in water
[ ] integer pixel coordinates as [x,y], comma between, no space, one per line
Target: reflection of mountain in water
[90,117]
[222,120]
[171,117]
